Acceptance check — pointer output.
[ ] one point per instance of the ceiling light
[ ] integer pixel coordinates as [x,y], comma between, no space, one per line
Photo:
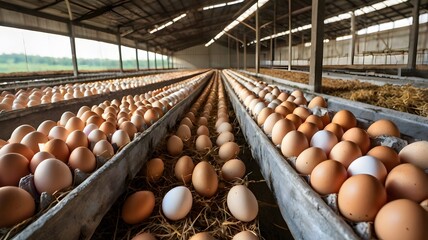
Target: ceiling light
[168,23]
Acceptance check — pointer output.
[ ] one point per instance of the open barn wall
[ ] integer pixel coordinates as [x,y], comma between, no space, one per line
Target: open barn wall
[214,56]
[387,47]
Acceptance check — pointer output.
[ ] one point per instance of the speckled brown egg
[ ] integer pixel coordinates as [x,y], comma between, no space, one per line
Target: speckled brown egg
[309,159]
[407,181]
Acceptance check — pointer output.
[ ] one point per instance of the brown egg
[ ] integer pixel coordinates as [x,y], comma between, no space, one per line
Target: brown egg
[191,116]
[138,207]
[58,148]
[383,127]
[386,155]
[280,129]
[284,111]
[129,128]
[293,143]
[38,158]
[104,149]
[290,105]
[242,203]
[225,137]
[183,169]
[19,133]
[345,119]
[225,127]
[83,159]
[154,169]
[58,132]
[309,129]
[74,123]
[138,121]
[358,136]
[401,219]
[17,148]
[407,181]
[264,113]
[202,130]
[335,128]
[245,235]
[82,110]
[16,205]
[283,96]
[13,167]
[120,138]
[184,132]
[187,121]
[151,116]
[328,176]
[46,126]
[86,115]
[52,175]
[96,136]
[228,151]
[203,143]
[174,145]
[97,120]
[270,122]
[2,143]
[302,112]
[221,120]
[300,101]
[108,128]
[309,159]
[33,139]
[415,153]
[345,152]
[204,179]
[144,236]
[360,198]
[295,119]
[315,120]
[76,139]
[317,101]
[233,169]
[202,236]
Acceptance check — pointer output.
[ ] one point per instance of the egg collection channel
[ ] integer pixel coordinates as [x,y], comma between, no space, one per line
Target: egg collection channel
[48,161]
[371,181]
[193,187]
[30,97]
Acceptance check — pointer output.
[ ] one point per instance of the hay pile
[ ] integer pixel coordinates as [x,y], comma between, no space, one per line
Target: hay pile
[404,98]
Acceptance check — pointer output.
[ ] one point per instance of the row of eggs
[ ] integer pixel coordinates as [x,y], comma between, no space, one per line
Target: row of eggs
[30,97]
[54,148]
[349,167]
[177,202]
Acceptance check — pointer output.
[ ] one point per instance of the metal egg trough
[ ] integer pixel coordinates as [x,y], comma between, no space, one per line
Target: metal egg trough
[37,114]
[79,213]
[306,213]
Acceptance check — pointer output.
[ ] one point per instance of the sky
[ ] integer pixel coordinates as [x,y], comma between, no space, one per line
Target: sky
[16,40]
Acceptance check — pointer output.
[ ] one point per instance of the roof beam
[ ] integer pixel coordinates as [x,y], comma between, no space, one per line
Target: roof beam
[100,11]
[48,5]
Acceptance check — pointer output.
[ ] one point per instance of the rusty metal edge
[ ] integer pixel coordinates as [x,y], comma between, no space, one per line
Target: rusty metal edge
[80,212]
[306,214]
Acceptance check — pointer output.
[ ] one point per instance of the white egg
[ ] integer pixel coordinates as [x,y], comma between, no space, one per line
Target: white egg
[324,140]
[177,203]
[368,165]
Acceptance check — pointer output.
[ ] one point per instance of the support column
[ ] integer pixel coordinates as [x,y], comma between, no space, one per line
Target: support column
[172,60]
[168,60]
[353,39]
[245,52]
[317,37]
[163,62]
[136,56]
[414,34]
[257,40]
[73,49]
[290,54]
[156,61]
[119,43]
[228,52]
[148,59]
[237,54]
[273,40]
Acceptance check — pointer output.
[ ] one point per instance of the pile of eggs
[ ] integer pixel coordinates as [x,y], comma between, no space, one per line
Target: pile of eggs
[373,183]
[202,178]
[45,95]
[76,143]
